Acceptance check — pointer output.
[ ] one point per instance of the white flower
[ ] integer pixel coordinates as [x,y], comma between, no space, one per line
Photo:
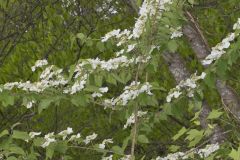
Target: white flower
[131,92]
[131,119]
[89,138]
[103,89]
[174,94]
[237,25]
[96,94]
[65,132]
[209,149]
[119,52]
[176,33]
[33,134]
[30,104]
[74,137]
[103,144]
[39,63]
[110,34]
[49,138]
[131,47]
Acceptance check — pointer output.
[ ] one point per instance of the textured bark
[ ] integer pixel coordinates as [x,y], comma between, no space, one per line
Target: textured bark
[179,71]
[229,97]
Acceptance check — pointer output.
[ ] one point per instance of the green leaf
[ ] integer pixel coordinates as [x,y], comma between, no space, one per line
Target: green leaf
[98,80]
[17,150]
[110,79]
[79,100]
[7,100]
[45,103]
[142,139]
[235,154]
[50,151]
[172,46]
[100,46]
[3,133]
[38,141]
[61,147]
[125,143]
[179,134]
[214,114]
[192,2]
[117,149]
[20,135]
[12,158]
[81,36]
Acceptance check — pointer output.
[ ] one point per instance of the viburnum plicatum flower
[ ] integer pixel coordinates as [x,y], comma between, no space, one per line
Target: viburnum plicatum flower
[237,25]
[176,32]
[203,153]
[39,63]
[49,138]
[74,137]
[101,90]
[110,34]
[208,150]
[188,84]
[131,47]
[33,134]
[104,142]
[130,93]
[218,50]
[65,133]
[118,53]
[131,119]
[89,138]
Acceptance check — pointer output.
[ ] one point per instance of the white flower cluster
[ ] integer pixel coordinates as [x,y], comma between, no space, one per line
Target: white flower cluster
[173,156]
[236,26]
[107,6]
[49,138]
[77,86]
[65,133]
[130,93]
[188,84]
[131,119]
[218,50]
[89,138]
[113,33]
[208,150]
[101,90]
[203,153]
[39,64]
[175,33]
[104,142]
[50,77]
[149,8]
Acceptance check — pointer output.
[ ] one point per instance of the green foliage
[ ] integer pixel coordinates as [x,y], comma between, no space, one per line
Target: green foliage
[68,35]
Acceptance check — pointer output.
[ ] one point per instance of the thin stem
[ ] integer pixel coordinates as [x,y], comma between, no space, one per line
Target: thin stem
[134,130]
